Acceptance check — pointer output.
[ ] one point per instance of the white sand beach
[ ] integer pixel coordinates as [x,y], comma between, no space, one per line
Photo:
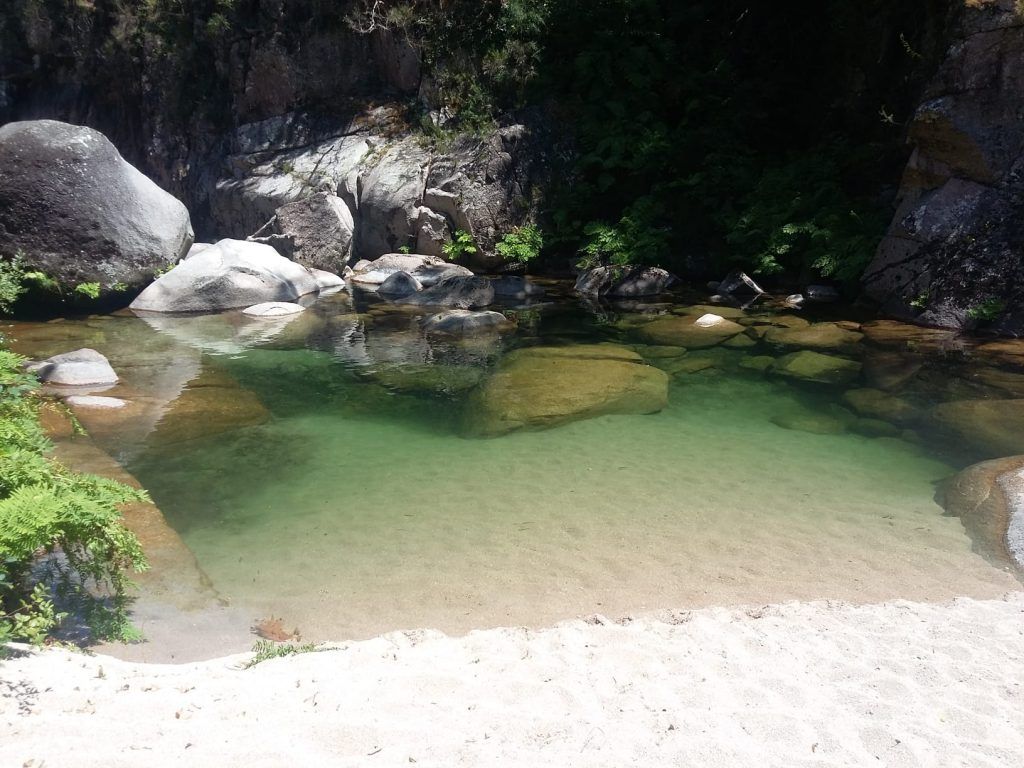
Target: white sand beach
[798,684]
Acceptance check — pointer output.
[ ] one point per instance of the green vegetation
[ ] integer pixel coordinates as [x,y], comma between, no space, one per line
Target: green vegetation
[264,650]
[988,311]
[88,290]
[12,283]
[462,244]
[61,535]
[521,245]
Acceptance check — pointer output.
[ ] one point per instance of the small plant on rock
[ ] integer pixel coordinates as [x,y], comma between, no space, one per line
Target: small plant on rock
[460,245]
[521,245]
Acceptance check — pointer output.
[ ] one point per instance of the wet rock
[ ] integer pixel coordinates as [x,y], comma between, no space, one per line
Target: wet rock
[994,427]
[537,388]
[1005,351]
[429,379]
[816,367]
[989,500]
[889,370]
[689,331]
[79,368]
[655,352]
[273,309]
[688,365]
[458,322]
[997,378]
[459,292]
[516,288]
[74,209]
[231,274]
[757,363]
[892,333]
[812,422]
[203,411]
[399,284]
[822,336]
[741,341]
[326,281]
[624,282]
[875,428]
[94,401]
[739,282]
[881,405]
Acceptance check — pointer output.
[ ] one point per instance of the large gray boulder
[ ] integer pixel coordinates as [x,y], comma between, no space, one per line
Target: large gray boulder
[389,200]
[228,275]
[76,210]
[316,232]
[459,292]
[399,284]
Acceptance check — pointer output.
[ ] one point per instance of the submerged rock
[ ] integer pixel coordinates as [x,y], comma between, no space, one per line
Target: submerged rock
[536,388]
[77,211]
[228,275]
[989,500]
[824,336]
[458,322]
[457,291]
[689,331]
[881,405]
[816,367]
[82,367]
[430,378]
[995,427]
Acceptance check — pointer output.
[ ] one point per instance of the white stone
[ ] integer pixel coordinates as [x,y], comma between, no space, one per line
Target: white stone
[273,309]
[94,401]
[708,321]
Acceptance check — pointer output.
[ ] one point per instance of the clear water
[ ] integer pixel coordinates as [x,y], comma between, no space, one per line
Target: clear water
[357,507]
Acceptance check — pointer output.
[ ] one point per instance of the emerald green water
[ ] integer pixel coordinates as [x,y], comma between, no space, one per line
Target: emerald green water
[355,506]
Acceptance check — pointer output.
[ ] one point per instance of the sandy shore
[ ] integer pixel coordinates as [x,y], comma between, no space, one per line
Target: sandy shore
[800,684]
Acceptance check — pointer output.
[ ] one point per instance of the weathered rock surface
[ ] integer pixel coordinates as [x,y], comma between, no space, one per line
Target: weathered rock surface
[326,281]
[231,274]
[79,368]
[399,284]
[535,389]
[956,239]
[459,322]
[994,427]
[689,331]
[316,232]
[76,210]
[989,500]
[624,283]
[459,292]
[816,367]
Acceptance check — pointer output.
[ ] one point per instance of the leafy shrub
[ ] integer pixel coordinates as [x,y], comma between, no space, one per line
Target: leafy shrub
[12,283]
[61,534]
[638,238]
[460,245]
[89,290]
[988,311]
[521,245]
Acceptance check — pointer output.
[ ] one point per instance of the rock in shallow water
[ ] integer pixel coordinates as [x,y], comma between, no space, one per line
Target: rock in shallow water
[228,275]
[689,331]
[460,292]
[816,367]
[399,284]
[995,427]
[542,387]
[458,322]
[82,367]
[989,499]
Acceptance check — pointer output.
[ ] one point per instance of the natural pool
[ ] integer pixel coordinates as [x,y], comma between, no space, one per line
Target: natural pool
[316,467]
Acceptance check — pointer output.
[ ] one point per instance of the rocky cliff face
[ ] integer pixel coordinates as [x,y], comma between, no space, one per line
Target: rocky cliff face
[954,254]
